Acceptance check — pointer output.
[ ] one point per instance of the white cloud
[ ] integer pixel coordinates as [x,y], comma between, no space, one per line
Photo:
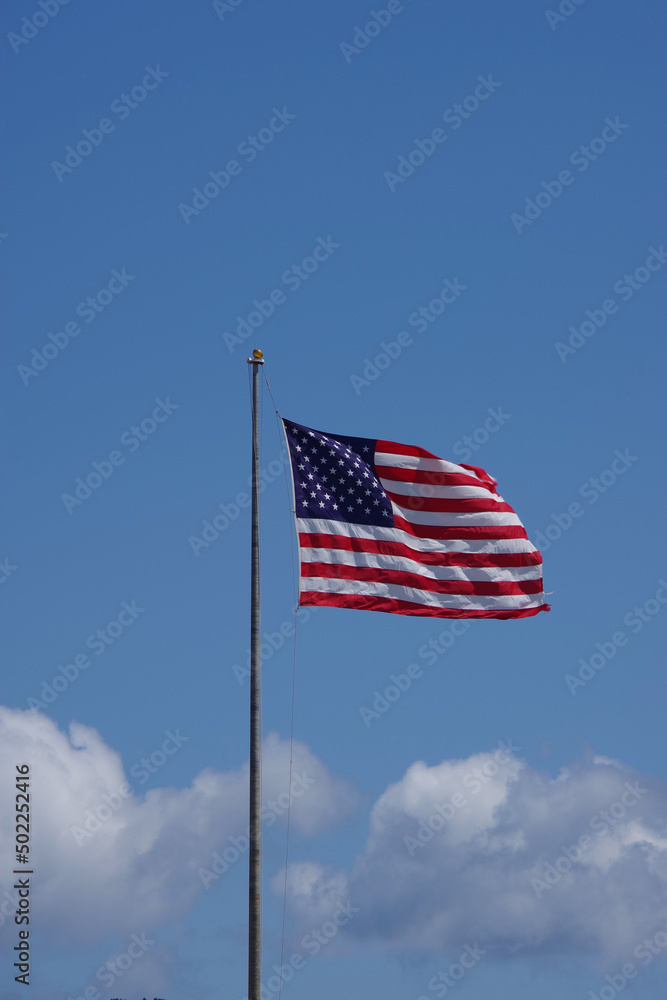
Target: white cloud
[477,850]
[136,869]
[468,850]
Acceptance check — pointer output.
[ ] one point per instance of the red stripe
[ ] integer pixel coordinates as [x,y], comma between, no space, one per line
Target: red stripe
[399,578]
[471,505]
[313,597]
[491,483]
[389,472]
[473,532]
[392,447]
[501,559]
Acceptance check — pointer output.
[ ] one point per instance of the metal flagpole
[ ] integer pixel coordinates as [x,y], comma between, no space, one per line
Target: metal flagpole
[255,835]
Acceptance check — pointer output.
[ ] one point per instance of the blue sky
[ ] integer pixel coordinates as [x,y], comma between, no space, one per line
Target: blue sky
[566,128]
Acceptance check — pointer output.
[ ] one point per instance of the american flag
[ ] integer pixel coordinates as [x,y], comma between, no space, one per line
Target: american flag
[391,527]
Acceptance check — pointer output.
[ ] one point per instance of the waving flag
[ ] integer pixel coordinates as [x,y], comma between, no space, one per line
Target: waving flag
[390,527]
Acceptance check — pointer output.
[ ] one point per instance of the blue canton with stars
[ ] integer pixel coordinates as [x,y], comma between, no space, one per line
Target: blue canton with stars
[335,477]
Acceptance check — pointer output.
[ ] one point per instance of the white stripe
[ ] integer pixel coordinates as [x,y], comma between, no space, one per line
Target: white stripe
[443,520]
[368,588]
[443,492]
[493,574]
[422,464]
[389,534]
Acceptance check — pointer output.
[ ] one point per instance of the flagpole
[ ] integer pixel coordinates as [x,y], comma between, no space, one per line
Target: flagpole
[255,834]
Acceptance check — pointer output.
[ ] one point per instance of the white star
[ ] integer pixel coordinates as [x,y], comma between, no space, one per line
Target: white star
[335,506]
[350,508]
[350,472]
[366,475]
[318,487]
[321,503]
[327,496]
[313,493]
[297,447]
[310,475]
[332,451]
[341,462]
[365,448]
[367,510]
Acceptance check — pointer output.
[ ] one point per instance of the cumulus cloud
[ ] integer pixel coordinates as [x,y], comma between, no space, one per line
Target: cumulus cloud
[98,839]
[489,850]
